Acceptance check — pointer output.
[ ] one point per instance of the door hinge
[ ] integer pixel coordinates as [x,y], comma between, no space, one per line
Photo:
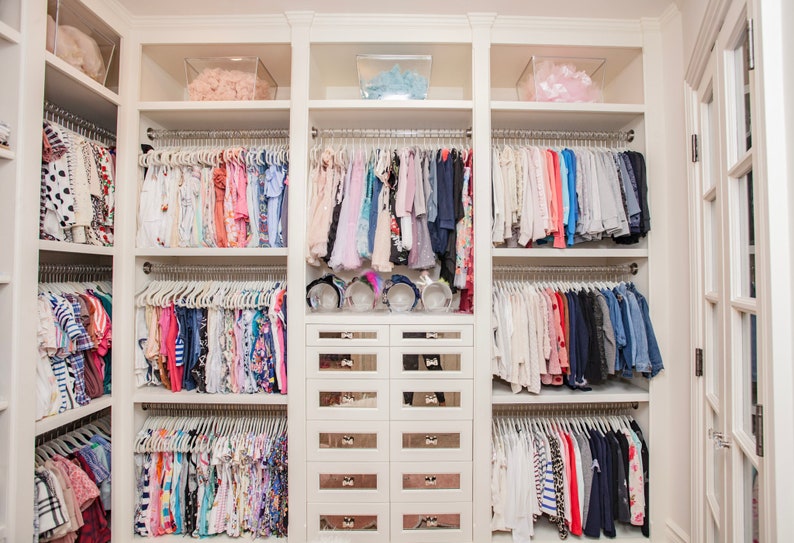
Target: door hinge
[758,424]
[695,149]
[698,362]
[750,45]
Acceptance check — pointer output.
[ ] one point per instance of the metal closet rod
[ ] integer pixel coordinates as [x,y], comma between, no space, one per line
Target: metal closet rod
[564,409]
[75,270]
[390,133]
[631,268]
[255,133]
[71,426]
[150,267]
[570,135]
[65,117]
[190,410]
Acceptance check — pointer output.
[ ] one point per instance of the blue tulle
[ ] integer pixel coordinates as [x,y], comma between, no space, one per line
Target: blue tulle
[396,84]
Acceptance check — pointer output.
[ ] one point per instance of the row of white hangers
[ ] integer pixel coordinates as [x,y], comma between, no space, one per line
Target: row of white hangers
[204,294]
[213,155]
[74,287]
[375,149]
[505,426]
[200,434]
[73,441]
[517,286]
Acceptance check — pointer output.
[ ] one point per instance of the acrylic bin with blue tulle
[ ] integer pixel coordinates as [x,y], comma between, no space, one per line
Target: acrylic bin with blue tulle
[394,77]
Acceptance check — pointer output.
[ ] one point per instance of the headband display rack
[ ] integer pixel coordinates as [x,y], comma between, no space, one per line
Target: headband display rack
[49,273]
[563,135]
[390,133]
[253,134]
[57,114]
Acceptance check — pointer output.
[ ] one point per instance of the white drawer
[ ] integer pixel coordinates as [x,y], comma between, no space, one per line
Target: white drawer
[357,523]
[333,399]
[448,522]
[438,399]
[433,441]
[450,335]
[343,362]
[346,441]
[343,334]
[430,481]
[431,362]
[348,482]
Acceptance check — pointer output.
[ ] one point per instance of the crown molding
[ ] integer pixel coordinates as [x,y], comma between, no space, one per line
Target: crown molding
[709,29]
[344,27]
[567,31]
[482,19]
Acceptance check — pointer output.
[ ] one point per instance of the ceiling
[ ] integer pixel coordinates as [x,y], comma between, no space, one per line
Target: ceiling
[609,9]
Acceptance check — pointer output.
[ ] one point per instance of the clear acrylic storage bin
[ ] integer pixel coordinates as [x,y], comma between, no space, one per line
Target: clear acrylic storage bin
[562,79]
[229,78]
[394,77]
[76,36]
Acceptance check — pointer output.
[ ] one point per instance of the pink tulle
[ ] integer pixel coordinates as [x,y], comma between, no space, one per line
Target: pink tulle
[220,84]
[561,83]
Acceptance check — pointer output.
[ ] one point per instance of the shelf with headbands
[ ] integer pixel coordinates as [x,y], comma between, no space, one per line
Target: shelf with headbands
[214,189]
[215,309]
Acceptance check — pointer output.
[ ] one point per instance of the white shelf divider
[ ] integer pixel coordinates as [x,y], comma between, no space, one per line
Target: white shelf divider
[611,391]
[162,395]
[75,248]
[9,34]
[218,252]
[562,116]
[583,252]
[56,421]
[220,115]
[7,154]
[76,75]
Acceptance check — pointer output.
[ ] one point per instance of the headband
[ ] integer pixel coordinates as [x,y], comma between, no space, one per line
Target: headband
[326,293]
[398,299]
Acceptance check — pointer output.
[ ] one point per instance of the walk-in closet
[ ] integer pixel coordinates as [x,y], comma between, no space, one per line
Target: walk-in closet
[428,273]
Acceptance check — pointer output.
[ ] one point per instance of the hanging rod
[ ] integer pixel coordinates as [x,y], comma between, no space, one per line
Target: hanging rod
[75,272]
[390,133]
[562,409]
[257,133]
[631,268]
[200,269]
[569,135]
[62,116]
[233,410]
[71,426]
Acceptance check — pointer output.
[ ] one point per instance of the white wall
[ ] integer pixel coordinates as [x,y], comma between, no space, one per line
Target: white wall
[692,12]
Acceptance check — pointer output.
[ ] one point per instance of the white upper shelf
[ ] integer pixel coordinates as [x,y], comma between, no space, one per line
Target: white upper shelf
[221,115]
[612,391]
[560,116]
[9,34]
[404,114]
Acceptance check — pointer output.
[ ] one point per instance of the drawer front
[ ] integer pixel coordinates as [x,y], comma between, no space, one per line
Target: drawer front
[345,441]
[431,363]
[348,482]
[321,335]
[439,399]
[333,399]
[448,522]
[419,335]
[357,523]
[341,362]
[430,481]
[420,441]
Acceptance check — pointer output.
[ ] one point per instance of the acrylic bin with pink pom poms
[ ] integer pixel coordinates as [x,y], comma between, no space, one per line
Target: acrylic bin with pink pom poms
[562,79]
[228,78]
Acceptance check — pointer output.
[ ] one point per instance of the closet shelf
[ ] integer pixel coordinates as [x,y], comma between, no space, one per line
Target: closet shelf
[5,278]
[3,405]
[162,395]
[9,33]
[561,116]
[612,391]
[74,91]
[219,538]
[76,248]
[541,252]
[385,317]
[50,423]
[7,154]
[220,252]
[546,533]
[404,114]
[222,115]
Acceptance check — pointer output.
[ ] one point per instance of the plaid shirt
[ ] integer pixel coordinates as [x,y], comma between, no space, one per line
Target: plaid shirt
[50,511]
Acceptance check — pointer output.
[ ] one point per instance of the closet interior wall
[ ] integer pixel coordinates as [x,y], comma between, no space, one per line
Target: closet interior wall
[476,60]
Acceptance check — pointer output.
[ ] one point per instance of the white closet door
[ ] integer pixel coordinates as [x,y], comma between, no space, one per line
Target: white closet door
[725,196]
